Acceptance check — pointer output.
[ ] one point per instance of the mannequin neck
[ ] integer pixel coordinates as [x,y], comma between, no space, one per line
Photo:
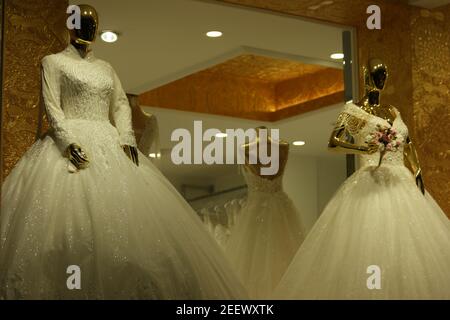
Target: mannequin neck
[373,98]
[83,49]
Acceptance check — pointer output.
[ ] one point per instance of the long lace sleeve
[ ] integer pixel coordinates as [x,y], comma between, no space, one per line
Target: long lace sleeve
[121,114]
[51,91]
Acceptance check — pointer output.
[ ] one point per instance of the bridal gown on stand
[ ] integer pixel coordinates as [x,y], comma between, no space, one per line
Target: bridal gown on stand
[377,219]
[266,236]
[126,228]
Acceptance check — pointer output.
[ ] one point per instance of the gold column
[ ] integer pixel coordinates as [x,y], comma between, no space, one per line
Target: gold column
[33,29]
[431,97]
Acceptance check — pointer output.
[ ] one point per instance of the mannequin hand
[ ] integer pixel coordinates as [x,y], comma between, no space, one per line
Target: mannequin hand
[132,153]
[77,156]
[419,182]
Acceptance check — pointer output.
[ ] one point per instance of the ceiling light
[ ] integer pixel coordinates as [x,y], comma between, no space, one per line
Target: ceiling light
[299,143]
[109,36]
[337,56]
[155,155]
[221,135]
[214,34]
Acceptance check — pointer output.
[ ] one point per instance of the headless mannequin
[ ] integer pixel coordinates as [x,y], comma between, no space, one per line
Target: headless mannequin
[139,116]
[256,168]
[145,126]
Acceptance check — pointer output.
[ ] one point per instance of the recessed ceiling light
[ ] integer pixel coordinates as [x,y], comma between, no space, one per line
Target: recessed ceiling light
[337,56]
[299,143]
[109,36]
[155,155]
[214,34]
[221,135]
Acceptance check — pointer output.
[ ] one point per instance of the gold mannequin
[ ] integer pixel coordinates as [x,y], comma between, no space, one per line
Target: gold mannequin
[256,168]
[375,79]
[82,39]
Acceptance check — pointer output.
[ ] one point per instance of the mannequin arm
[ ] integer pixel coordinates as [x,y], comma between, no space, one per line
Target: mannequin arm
[412,163]
[121,113]
[339,142]
[51,95]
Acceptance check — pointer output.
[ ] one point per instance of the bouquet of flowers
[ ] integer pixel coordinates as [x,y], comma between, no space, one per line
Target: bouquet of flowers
[386,139]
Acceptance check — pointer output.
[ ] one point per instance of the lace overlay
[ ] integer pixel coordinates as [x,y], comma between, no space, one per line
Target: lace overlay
[258,184]
[89,89]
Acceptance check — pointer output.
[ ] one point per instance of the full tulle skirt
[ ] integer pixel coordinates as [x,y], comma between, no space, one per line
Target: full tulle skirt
[126,228]
[378,238]
[263,241]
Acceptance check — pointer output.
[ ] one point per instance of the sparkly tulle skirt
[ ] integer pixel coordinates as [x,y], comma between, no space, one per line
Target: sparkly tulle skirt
[378,238]
[126,228]
[264,240]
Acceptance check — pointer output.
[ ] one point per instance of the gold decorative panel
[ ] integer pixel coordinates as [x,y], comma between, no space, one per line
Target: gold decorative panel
[431,96]
[33,29]
[252,87]
[264,69]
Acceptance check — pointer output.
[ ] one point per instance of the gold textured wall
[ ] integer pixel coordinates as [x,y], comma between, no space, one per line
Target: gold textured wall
[431,97]
[1,91]
[33,29]
[414,44]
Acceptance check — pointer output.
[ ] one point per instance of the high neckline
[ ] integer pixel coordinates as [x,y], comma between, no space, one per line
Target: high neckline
[72,51]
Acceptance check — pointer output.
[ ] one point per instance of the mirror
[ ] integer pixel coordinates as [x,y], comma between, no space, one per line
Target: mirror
[265,69]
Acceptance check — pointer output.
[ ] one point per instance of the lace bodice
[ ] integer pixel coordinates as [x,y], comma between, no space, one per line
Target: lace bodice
[361,124]
[76,88]
[256,183]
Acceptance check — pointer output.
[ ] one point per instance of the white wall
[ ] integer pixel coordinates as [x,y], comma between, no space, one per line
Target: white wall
[331,174]
[300,183]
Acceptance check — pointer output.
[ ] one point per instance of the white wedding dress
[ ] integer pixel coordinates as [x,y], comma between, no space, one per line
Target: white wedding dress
[127,229]
[377,218]
[265,237]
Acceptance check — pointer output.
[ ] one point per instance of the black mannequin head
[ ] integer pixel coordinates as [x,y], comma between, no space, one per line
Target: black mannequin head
[89,27]
[378,73]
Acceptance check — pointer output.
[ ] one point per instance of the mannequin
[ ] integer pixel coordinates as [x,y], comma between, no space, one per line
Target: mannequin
[82,39]
[269,229]
[256,168]
[375,79]
[146,130]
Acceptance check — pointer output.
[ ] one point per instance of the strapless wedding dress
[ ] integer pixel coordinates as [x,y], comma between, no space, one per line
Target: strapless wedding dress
[265,237]
[378,238]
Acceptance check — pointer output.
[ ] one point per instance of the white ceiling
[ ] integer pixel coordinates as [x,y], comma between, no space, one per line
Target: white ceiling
[163,41]
[430,4]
